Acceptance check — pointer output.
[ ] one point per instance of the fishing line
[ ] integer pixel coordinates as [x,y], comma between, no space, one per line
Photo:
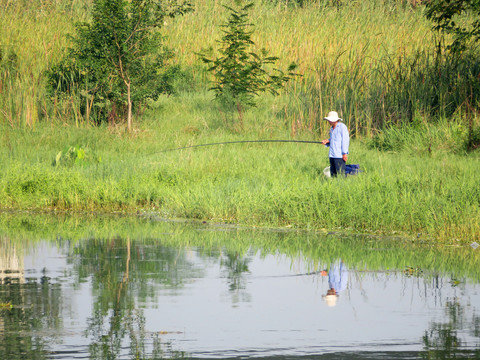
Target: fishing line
[243,141]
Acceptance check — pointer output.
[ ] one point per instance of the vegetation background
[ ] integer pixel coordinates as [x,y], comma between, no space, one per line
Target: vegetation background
[410,104]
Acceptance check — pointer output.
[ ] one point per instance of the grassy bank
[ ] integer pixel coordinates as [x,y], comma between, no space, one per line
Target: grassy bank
[427,186]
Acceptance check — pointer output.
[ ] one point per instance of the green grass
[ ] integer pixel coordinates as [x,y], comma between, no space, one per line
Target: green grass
[412,114]
[424,187]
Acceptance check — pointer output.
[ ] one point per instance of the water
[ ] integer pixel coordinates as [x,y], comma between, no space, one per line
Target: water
[127,298]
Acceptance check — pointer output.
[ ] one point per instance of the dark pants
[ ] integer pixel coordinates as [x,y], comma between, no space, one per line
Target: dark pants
[337,166]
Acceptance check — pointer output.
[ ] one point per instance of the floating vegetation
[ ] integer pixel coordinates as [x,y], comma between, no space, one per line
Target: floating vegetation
[412,271]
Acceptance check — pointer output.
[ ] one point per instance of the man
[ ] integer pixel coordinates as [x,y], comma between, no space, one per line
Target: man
[338,142]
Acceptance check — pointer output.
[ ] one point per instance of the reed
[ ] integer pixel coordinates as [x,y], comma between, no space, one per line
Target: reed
[33,38]
[375,62]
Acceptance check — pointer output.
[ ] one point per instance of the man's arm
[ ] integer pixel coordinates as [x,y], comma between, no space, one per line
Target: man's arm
[345,143]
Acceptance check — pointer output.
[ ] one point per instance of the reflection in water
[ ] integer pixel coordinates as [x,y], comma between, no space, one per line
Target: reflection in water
[443,340]
[236,267]
[337,281]
[117,317]
[33,311]
[129,299]
[119,282]
[11,263]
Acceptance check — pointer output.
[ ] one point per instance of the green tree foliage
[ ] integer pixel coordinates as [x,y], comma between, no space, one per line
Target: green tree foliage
[240,73]
[461,18]
[117,59]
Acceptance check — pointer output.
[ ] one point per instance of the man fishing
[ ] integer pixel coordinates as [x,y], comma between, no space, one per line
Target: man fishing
[338,142]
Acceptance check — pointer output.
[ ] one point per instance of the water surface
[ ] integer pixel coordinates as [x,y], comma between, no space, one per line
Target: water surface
[168,296]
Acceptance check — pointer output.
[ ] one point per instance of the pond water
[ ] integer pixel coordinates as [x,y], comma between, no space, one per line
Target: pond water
[218,293]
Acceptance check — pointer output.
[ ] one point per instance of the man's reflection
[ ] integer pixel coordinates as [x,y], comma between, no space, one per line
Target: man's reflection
[337,281]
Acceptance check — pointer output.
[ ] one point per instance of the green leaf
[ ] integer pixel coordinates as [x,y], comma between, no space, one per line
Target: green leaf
[57,158]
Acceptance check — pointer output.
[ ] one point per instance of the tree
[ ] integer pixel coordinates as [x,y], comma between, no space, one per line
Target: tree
[241,74]
[461,18]
[118,57]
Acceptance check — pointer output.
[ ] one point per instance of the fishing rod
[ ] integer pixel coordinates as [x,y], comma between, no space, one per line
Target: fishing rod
[243,141]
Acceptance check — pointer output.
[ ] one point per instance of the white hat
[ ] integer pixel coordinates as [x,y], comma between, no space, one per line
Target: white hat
[332,116]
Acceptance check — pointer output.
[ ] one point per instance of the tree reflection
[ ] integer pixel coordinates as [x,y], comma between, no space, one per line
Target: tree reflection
[236,266]
[123,275]
[443,340]
[23,333]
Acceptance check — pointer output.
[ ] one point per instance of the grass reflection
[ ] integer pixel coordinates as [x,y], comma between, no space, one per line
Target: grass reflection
[359,251]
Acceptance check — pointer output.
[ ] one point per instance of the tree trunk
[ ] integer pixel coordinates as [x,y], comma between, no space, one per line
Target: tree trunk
[129,106]
[125,274]
[240,114]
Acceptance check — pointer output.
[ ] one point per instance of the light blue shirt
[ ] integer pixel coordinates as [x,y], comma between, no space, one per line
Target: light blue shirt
[339,141]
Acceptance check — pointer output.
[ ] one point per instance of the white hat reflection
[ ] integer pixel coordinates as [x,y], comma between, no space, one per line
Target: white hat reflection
[330,298]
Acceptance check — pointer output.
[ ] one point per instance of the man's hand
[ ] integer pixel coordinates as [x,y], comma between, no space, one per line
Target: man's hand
[325,142]
[344,157]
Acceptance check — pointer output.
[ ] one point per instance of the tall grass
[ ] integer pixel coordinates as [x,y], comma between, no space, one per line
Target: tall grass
[33,37]
[375,62]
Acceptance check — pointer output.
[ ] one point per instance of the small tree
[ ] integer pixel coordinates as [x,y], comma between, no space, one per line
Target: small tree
[241,74]
[118,56]
[461,18]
